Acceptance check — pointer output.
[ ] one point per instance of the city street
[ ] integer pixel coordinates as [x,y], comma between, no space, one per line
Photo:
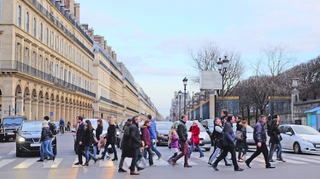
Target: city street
[296,167]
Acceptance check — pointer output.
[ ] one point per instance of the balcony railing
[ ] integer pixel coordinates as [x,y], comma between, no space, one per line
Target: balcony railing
[16,66]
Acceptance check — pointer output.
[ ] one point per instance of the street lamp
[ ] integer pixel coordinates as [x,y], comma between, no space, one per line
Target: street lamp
[185,80]
[222,67]
[179,93]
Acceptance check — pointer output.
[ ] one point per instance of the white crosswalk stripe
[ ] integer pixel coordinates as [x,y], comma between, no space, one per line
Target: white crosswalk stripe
[17,163]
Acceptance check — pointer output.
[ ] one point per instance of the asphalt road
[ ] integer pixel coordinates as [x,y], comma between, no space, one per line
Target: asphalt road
[298,166]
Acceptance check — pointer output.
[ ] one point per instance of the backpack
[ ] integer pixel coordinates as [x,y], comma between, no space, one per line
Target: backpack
[53,128]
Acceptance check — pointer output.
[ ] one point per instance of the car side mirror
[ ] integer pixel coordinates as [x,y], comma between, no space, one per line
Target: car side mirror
[289,133]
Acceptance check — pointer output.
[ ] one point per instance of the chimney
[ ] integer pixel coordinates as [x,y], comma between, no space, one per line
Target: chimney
[109,51]
[97,38]
[77,11]
[105,45]
[70,5]
[85,26]
[115,57]
[91,32]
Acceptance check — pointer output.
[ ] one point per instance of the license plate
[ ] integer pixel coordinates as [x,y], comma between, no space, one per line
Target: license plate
[10,133]
[35,145]
[318,146]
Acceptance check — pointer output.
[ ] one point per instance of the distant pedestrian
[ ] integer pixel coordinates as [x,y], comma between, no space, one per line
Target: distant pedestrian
[241,142]
[195,140]
[153,137]
[126,152]
[228,145]
[260,138]
[174,144]
[275,139]
[183,142]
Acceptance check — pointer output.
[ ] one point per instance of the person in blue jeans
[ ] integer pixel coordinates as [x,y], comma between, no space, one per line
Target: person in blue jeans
[195,140]
[275,139]
[49,146]
[153,137]
[46,140]
[88,141]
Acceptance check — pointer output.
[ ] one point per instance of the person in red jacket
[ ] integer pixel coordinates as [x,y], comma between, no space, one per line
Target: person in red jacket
[195,140]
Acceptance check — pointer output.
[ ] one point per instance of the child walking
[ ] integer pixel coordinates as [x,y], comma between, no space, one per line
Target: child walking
[174,145]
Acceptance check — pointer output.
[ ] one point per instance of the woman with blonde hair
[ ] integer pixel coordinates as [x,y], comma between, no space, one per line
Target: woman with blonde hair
[111,138]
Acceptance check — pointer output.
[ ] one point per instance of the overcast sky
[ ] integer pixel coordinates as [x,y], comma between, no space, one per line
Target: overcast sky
[152,37]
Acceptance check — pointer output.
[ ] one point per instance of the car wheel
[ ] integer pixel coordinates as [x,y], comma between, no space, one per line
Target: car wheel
[1,139]
[7,139]
[18,153]
[296,148]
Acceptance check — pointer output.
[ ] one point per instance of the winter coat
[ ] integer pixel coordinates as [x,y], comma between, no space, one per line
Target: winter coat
[111,134]
[145,136]
[275,137]
[152,129]
[174,142]
[134,141]
[87,137]
[242,142]
[45,134]
[182,131]
[228,135]
[99,130]
[195,131]
[126,150]
[259,134]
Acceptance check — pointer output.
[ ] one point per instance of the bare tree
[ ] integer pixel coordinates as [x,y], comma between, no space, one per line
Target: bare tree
[205,59]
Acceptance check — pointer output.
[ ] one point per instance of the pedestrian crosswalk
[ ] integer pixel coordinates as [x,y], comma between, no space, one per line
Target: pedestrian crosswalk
[25,163]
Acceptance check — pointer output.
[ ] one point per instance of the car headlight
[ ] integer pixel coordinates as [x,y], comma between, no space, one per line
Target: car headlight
[162,135]
[21,139]
[117,133]
[305,139]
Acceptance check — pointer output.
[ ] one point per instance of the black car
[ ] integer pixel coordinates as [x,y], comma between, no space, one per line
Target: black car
[10,124]
[28,139]
[163,129]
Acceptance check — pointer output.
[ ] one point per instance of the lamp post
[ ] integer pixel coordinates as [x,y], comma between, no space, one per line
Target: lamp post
[222,67]
[185,80]
[179,93]
[294,96]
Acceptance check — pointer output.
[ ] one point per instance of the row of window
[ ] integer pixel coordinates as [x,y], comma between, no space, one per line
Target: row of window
[43,64]
[60,45]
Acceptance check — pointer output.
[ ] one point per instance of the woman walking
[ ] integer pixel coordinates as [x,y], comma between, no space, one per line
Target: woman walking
[111,139]
[195,141]
[275,139]
[88,141]
[126,152]
[46,135]
[228,145]
[147,141]
[242,144]
[99,130]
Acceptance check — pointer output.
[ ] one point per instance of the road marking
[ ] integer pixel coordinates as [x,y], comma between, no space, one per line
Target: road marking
[27,163]
[301,158]
[5,162]
[53,164]
[11,153]
[107,163]
[76,160]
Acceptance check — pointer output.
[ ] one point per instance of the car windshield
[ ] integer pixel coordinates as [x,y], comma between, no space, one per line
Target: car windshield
[305,130]
[163,126]
[210,123]
[31,127]
[189,123]
[12,121]
[249,129]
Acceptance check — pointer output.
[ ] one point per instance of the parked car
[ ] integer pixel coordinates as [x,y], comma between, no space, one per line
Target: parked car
[28,139]
[163,129]
[205,141]
[299,138]
[10,124]
[250,140]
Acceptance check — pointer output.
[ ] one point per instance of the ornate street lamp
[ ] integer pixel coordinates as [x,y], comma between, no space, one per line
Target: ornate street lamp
[222,67]
[179,93]
[185,80]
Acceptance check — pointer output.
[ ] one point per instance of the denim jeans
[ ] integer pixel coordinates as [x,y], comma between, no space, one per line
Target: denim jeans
[106,150]
[273,147]
[87,153]
[41,151]
[153,148]
[46,143]
[215,154]
[148,150]
[192,148]
[241,152]
[136,156]
[94,151]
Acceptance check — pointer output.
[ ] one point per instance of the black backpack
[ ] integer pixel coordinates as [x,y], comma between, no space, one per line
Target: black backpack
[53,128]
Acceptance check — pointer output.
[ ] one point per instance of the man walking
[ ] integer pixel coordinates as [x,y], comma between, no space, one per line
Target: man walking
[52,128]
[134,144]
[153,137]
[183,142]
[79,140]
[260,137]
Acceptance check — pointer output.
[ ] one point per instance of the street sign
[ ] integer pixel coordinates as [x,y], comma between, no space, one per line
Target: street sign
[51,113]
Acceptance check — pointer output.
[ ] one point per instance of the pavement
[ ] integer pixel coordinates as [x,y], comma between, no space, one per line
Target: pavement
[297,166]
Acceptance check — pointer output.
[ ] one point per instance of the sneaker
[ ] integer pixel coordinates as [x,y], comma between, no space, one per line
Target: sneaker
[152,165]
[281,160]
[240,160]
[40,160]
[159,157]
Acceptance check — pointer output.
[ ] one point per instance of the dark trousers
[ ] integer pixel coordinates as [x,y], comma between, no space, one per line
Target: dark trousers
[224,153]
[184,151]
[80,151]
[149,151]
[106,150]
[136,156]
[264,151]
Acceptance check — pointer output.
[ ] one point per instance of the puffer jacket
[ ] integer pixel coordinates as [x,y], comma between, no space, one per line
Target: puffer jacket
[228,135]
[182,131]
[259,134]
[45,134]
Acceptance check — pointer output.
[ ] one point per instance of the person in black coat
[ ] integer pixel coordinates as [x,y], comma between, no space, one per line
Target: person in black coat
[135,144]
[242,143]
[79,140]
[111,139]
[275,139]
[126,152]
[88,141]
[99,130]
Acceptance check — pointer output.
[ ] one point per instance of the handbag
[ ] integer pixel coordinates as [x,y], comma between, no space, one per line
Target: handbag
[239,135]
[142,163]
[95,140]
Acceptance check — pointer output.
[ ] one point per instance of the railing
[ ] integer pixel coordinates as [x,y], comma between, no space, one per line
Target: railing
[60,26]
[11,65]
